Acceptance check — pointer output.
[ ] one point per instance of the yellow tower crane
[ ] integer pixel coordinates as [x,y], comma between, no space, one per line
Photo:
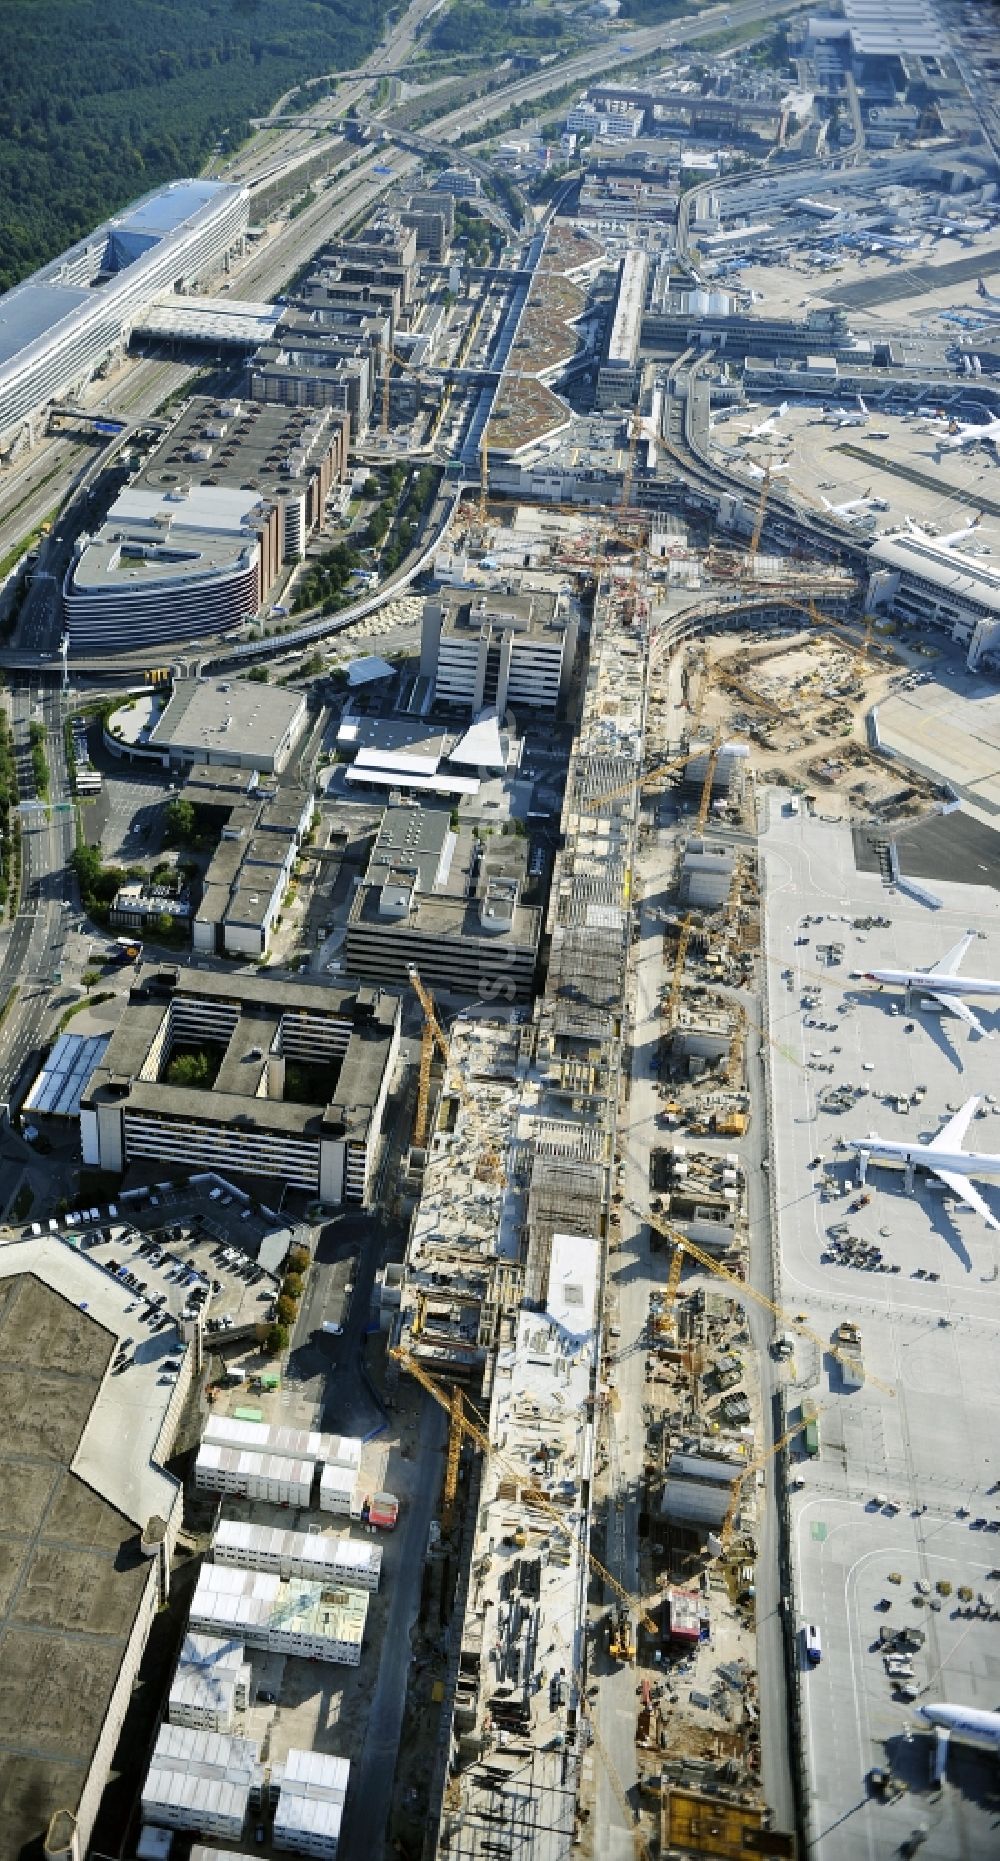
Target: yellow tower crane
[462,1424]
[743,1290]
[432,1035]
[401,361]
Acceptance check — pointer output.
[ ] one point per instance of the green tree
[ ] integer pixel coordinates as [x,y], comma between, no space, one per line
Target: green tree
[180,822]
[291,1286]
[285,1311]
[190,1069]
[277,1339]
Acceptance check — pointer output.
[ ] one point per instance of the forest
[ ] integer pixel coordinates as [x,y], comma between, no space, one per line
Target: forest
[103,99]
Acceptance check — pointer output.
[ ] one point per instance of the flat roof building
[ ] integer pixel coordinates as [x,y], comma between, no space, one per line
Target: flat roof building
[90,1518]
[460,922]
[230,722]
[499,648]
[195,544]
[321,1557]
[928,581]
[619,374]
[66,319]
[211,1684]
[202,1780]
[339,1044]
[312,1788]
[281,1616]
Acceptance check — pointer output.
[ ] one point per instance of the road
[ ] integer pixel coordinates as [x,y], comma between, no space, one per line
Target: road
[33,943]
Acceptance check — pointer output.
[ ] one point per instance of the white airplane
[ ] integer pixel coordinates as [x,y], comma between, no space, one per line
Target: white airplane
[989,297]
[844,510]
[952,536]
[971,1725]
[765,427]
[962,433]
[952,1166]
[757,472]
[943,983]
[848,416]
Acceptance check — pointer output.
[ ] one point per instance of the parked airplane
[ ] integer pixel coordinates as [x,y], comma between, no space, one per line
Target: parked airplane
[971,1725]
[942,983]
[962,433]
[757,472]
[952,536]
[991,297]
[943,1157]
[848,416]
[844,510]
[766,427]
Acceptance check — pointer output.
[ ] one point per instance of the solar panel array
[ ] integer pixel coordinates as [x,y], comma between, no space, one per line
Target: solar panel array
[59,1086]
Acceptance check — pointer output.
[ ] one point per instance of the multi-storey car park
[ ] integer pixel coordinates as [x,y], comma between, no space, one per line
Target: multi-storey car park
[64,321]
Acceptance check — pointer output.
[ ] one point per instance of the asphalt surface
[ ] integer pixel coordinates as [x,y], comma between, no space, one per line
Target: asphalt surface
[33,943]
[954,847]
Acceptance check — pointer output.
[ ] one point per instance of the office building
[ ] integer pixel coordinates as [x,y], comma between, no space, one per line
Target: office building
[65,321]
[195,544]
[459,182]
[90,1522]
[457,916]
[324,369]
[933,582]
[229,723]
[261,830]
[620,371]
[202,1780]
[210,1685]
[332,1559]
[301,1070]
[432,219]
[281,1616]
[499,648]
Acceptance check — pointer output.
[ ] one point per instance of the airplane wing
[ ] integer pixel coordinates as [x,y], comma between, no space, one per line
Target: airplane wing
[956,1006]
[947,965]
[967,1193]
[951,1135]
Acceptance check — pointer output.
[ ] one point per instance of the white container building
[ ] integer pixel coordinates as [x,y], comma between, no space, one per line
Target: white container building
[211,1684]
[295,1617]
[247,1475]
[312,1788]
[202,1780]
[319,1557]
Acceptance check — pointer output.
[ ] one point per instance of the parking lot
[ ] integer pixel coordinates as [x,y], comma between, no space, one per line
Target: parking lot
[903,1482]
[177,1262]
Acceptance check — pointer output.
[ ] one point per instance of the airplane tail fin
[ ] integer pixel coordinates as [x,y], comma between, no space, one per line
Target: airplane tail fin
[826,503]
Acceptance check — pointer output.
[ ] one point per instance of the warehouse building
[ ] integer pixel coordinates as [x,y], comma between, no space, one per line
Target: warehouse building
[499,648]
[90,1520]
[312,1789]
[320,1558]
[62,323]
[281,1616]
[202,1781]
[620,372]
[927,582]
[339,1044]
[211,1684]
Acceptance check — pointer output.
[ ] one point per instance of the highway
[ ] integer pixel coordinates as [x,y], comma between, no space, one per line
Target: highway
[31,948]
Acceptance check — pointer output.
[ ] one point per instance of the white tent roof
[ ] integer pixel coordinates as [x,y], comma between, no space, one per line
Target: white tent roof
[480,746]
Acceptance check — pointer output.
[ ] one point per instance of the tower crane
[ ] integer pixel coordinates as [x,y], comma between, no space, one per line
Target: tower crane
[433,1035]
[401,361]
[683,1244]
[462,1424]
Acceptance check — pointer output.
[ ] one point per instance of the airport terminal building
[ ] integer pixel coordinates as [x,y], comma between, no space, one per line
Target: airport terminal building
[65,320]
